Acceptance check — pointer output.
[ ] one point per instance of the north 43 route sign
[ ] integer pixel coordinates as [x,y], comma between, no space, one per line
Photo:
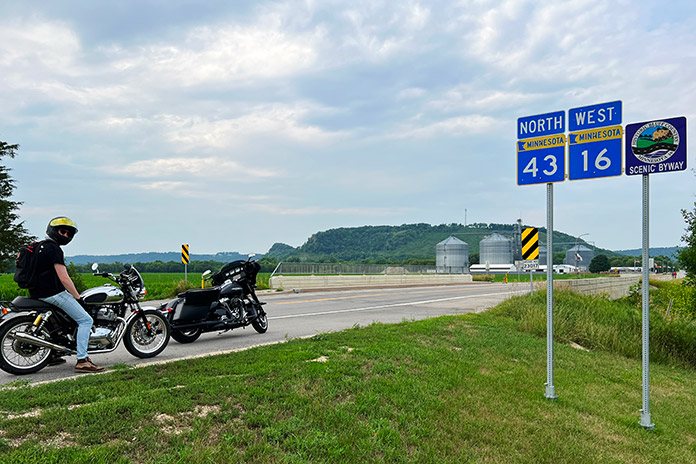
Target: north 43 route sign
[541,152]
[595,142]
[656,146]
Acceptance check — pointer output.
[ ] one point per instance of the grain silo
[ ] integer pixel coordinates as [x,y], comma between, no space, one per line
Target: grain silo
[495,249]
[579,256]
[452,256]
[542,256]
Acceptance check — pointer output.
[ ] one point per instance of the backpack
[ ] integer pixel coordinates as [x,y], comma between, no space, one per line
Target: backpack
[26,273]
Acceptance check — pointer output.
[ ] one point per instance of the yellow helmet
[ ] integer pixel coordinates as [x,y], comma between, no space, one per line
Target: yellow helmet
[58,224]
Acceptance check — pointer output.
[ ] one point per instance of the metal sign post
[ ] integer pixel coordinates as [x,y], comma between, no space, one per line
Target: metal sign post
[645,411]
[541,149]
[550,389]
[652,147]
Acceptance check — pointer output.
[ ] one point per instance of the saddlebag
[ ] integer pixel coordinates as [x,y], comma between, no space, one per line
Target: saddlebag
[196,304]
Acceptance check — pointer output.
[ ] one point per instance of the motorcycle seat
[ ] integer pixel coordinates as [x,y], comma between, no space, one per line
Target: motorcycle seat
[22,302]
[202,296]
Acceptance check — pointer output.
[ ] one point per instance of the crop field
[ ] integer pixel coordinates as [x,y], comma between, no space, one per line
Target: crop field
[158,285]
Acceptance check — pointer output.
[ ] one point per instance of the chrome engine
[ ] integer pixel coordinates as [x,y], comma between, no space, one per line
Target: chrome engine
[107,336]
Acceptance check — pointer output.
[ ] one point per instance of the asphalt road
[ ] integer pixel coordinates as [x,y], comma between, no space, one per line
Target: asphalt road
[295,315]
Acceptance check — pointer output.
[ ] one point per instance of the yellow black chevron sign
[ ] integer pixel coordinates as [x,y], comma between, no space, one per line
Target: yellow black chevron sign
[185,253]
[530,243]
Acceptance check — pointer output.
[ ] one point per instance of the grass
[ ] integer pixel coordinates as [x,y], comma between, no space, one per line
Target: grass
[597,323]
[159,285]
[538,277]
[451,389]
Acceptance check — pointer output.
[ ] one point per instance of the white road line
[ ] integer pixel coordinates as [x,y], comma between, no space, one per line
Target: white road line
[410,303]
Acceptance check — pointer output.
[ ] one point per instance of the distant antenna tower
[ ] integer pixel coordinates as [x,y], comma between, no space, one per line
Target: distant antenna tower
[464,217]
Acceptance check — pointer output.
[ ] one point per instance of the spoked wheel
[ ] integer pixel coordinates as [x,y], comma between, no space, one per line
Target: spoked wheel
[146,342]
[186,336]
[260,324]
[21,358]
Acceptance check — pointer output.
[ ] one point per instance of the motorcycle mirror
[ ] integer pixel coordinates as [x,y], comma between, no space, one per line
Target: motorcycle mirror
[127,267]
[95,267]
[251,255]
[207,273]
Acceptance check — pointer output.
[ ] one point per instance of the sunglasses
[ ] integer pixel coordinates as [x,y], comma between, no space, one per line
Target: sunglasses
[67,232]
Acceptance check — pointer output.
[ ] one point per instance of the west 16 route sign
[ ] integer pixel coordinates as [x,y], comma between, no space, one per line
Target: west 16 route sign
[541,152]
[594,143]
[656,146]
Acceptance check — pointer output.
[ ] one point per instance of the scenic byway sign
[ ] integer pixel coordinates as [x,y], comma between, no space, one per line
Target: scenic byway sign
[656,146]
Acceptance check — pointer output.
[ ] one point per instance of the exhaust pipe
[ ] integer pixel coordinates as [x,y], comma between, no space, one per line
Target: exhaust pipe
[27,338]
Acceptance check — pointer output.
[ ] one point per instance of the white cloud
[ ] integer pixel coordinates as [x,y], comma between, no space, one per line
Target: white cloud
[451,127]
[49,45]
[276,121]
[324,211]
[222,54]
[198,167]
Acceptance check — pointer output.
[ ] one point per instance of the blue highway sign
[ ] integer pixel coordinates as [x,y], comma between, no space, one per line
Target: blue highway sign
[541,160]
[594,116]
[540,125]
[656,146]
[595,153]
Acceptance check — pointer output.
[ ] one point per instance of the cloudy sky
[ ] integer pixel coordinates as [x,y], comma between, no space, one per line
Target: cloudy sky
[233,125]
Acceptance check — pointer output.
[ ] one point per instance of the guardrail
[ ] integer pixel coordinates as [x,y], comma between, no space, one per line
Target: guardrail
[290,268]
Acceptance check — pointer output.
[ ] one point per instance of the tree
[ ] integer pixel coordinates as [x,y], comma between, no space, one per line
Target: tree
[599,263]
[12,233]
[687,255]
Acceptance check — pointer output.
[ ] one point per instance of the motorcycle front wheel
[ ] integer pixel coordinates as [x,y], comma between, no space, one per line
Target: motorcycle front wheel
[260,323]
[21,358]
[146,342]
[186,336]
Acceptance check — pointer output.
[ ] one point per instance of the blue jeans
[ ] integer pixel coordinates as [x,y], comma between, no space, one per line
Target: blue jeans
[72,308]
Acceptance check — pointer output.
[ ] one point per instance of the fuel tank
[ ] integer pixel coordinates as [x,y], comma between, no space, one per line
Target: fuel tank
[231,290]
[103,294]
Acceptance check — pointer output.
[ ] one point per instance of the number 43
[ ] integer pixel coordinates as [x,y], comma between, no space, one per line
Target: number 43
[532,169]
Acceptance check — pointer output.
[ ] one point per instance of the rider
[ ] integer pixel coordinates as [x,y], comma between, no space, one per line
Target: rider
[56,287]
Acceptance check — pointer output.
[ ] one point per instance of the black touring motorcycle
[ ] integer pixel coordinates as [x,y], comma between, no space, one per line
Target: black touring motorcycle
[31,329]
[230,303]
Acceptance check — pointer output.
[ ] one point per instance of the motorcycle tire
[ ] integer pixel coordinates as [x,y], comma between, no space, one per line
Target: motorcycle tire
[20,358]
[260,322]
[186,336]
[140,342]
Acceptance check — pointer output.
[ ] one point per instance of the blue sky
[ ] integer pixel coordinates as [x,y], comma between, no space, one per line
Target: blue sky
[234,125]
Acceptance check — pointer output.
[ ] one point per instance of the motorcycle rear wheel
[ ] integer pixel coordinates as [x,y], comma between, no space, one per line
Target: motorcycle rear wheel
[260,323]
[142,343]
[186,336]
[21,358]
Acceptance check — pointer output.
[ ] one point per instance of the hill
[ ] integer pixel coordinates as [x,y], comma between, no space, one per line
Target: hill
[401,243]
[670,252]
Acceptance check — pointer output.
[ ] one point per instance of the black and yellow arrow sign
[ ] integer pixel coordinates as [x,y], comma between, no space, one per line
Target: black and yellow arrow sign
[185,253]
[530,243]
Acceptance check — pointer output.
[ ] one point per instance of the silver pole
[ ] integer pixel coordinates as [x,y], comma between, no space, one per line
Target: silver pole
[645,412]
[531,282]
[550,389]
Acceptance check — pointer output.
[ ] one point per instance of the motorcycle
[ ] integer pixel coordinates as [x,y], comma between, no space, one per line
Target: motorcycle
[30,330]
[229,304]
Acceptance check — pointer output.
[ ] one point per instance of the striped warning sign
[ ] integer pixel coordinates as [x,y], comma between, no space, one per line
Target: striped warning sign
[530,243]
[185,253]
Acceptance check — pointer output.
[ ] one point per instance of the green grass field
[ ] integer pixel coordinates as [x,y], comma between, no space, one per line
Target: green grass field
[455,389]
[158,285]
